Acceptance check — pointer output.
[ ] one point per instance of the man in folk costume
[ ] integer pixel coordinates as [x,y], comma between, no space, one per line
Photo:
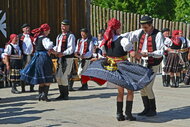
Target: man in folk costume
[150,49]
[65,46]
[115,68]
[184,54]
[13,60]
[27,48]
[84,51]
[174,63]
[167,42]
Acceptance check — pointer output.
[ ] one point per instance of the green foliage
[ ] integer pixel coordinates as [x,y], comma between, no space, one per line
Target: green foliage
[176,10]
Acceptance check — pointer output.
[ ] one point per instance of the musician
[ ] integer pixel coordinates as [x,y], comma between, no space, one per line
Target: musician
[65,45]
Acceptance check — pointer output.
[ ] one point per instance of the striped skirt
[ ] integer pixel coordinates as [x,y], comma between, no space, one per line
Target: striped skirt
[39,70]
[173,64]
[128,75]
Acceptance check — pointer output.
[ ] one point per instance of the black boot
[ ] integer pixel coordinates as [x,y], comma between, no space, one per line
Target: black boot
[14,89]
[23,86]
[167,80]
[71,82]
[177,82]
[152,111]
[84,87]
[173,82]
[61,90]
[65,93]
[41,93]
[164,80]
[120,116]
[32,88]
[44,97]
[146,106]
[129,105]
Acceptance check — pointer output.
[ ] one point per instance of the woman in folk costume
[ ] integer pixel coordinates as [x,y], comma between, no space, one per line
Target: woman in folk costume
[174,63]
[13,61]
[185,48]
[39,70]
[116,69]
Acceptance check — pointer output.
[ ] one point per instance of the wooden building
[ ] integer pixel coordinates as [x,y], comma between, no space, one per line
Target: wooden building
[13,13]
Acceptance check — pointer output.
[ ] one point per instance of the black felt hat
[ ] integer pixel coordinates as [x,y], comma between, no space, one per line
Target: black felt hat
[25,25]
[65,22]
[84,30]
[146,20]
[165,29]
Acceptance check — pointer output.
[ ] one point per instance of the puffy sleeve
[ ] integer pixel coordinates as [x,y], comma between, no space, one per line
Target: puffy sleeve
[47,43]
[7,50]
[126,44]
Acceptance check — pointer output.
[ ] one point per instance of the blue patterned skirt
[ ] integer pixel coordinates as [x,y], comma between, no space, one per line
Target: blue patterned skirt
[128,75]
[39,69]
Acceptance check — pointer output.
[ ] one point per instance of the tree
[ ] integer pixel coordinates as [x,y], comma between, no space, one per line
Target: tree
[176,10]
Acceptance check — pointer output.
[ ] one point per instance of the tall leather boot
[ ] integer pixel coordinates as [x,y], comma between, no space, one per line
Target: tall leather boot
[65,93]
[70,85]
[44,97]
[61,90]
[84,87]
[164,80]
[173,82]
[23,86]
[177,82]
[152,111]
[146,106]
[167,80]
[32,88]
[14,89]
[129,105]
[41,93]
[120,116]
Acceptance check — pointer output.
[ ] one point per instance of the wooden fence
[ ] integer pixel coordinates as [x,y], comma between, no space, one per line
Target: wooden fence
[36,12]
[130,21]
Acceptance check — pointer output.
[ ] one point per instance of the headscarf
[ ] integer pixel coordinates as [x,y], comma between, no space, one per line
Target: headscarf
[12,36]
[38,31]
[175,37]
[113,25]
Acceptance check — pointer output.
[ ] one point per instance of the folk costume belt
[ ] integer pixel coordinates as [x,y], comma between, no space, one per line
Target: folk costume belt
[111,63]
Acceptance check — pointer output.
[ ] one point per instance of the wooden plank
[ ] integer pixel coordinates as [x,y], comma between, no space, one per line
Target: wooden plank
[135,22]
[184,29]
[128,22]
[160,25]
[121,20]
[188,31]
[99,19]
[103,18]
[124,22]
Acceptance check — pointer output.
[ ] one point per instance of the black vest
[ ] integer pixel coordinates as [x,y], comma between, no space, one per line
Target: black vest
[39,45]
[116,49]
[67,35]
[176,46]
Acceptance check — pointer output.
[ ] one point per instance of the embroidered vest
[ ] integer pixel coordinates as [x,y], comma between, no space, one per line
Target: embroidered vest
[151,46]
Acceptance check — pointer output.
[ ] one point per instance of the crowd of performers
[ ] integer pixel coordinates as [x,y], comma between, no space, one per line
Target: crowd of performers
[27,57]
